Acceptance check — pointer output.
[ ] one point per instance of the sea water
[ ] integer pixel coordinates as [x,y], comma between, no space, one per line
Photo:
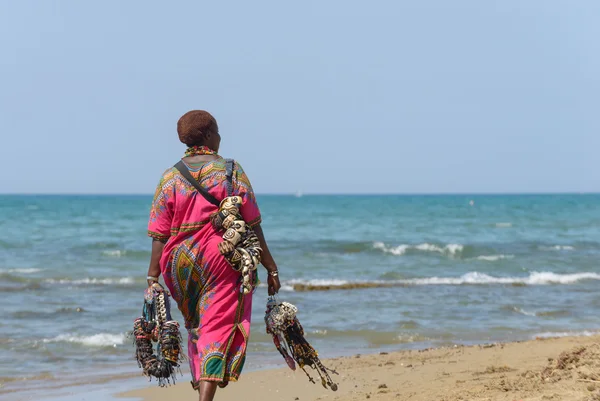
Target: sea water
[368,273]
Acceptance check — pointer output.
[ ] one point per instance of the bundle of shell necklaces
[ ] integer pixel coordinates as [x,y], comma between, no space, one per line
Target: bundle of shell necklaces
[288,336]
[240,244]
[156,325]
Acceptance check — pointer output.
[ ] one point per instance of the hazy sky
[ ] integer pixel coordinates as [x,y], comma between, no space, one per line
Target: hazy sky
[319,96]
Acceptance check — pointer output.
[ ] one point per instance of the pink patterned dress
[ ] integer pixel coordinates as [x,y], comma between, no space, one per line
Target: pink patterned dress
[201,281]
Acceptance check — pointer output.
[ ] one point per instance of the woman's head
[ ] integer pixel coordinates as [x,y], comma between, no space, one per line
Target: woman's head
[199,127]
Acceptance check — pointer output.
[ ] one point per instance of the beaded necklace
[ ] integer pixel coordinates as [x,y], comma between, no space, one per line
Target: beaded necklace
[199,150]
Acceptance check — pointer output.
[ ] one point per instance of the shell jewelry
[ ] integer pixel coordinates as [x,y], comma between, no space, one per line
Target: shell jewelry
[198,150]
[288,336]
[156,325]
[240,244]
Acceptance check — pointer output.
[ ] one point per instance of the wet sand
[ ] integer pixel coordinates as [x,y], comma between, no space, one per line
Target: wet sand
[554,369]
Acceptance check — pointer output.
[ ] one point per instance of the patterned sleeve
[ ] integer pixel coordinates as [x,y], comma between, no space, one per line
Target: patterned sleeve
[242,187]
[161,211]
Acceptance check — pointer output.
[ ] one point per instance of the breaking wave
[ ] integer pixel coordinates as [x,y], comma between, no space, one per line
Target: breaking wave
[522,311]
[115,253]
[494,258]
[544,313]
[449,249]
[96,340]
[471,278]
[551,334]
[93,281]
[23,271]
[558,248]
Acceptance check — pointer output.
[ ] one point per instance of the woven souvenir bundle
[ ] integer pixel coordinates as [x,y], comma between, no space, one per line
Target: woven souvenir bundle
[288,336]
[156,326]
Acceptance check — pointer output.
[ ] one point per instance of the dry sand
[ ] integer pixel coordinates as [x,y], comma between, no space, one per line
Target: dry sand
[543,369]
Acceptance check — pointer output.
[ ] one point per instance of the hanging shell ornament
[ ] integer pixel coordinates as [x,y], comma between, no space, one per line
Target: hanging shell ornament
[240,245]
[288,337]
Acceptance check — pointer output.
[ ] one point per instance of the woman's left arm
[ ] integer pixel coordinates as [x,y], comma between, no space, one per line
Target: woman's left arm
[268,262]
[251,214]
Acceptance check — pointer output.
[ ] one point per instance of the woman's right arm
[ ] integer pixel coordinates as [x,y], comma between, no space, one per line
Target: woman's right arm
[154,267]
[159,224]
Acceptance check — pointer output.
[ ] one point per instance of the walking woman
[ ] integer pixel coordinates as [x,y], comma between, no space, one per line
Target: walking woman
[185,251]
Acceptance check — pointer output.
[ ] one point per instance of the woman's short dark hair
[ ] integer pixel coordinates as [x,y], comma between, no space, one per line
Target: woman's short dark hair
[194,125]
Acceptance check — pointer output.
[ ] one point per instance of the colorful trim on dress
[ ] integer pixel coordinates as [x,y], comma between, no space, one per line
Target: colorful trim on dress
[255,222]
[158,236]
[187,227]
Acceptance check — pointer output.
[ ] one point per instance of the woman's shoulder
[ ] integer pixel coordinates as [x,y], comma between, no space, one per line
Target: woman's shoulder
[169,174]
[221,164]
[167,178]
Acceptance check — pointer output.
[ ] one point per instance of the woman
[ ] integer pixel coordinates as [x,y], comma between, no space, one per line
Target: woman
[185,252]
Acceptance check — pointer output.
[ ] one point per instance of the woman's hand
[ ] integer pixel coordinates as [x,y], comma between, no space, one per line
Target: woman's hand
[274,285]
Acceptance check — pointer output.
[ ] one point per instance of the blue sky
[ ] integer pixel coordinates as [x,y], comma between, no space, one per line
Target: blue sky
[318,96]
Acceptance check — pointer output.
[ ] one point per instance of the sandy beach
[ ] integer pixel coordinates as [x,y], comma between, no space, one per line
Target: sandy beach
[565,368]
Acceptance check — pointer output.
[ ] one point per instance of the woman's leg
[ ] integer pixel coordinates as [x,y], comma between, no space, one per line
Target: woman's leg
[207,390]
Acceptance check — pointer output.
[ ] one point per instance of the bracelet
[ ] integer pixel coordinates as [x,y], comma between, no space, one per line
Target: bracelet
[152,278]
[274,273]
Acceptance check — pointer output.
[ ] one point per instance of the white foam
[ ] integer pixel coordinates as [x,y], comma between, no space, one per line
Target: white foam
[96,340]
[524,312]
[535,278]
[284,286]
[451,249]
[409,338]
[93,281]
[550,334]
[289,284]
[320,282]
[555,278]
[494,258]
[471,278]
[503,225]
[115,253]
[558,248]
[24,271]
[399,250]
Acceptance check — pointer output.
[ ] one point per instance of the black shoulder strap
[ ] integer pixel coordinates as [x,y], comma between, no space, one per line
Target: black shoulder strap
[229,166]
[186,174]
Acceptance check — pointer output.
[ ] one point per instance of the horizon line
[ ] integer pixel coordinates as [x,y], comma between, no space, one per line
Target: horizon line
[295,194]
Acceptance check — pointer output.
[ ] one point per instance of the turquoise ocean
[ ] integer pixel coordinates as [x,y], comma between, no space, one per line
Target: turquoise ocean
[368,274]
